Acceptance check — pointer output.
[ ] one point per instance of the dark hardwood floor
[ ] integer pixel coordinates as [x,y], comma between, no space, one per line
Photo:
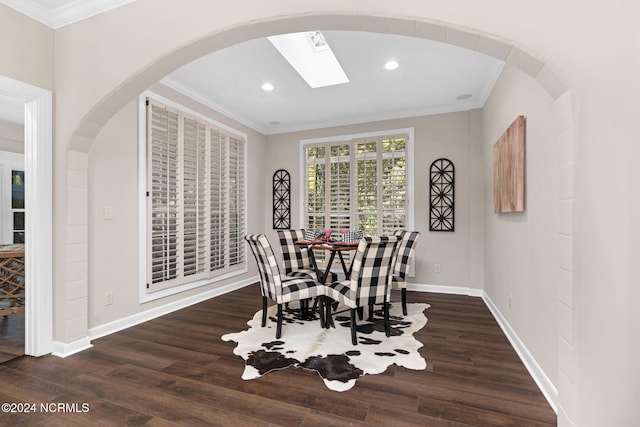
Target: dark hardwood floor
[175,370]
[11,336]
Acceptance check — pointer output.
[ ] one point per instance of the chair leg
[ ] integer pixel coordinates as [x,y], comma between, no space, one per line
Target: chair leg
[279,327]
[360,312]
[370,313]
[404,301]
[319,302]
[304,308]
[264,311]
[354,339]
[328,320]
[387,323]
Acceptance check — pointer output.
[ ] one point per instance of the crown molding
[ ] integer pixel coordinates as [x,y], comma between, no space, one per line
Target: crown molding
[177,86]
[65,15]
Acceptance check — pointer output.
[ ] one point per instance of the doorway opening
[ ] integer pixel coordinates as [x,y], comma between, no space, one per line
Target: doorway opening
[38,218]
[12,237]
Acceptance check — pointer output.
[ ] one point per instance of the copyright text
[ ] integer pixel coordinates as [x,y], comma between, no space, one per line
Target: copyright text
[52,407]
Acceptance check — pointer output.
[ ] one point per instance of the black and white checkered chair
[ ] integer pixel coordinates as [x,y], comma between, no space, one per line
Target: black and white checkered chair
[406,251]
[370,280]
[296,259]
[281,289]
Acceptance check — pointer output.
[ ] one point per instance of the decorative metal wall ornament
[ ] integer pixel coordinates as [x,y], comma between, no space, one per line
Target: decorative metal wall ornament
[441,195]
[281,200]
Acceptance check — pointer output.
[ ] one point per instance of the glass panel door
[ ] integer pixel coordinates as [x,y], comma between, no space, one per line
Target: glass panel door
[17,205]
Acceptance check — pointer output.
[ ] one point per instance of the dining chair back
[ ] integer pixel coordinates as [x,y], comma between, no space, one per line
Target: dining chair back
[405,254]
[371,275]
[372,268]
[274,286]
[294,257]
[297,259]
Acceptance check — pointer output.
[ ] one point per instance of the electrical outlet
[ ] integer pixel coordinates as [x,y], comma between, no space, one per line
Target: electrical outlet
[107,212]
[108,298]
[436,267]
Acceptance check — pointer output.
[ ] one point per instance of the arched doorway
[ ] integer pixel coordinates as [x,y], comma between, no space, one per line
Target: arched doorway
[515,56]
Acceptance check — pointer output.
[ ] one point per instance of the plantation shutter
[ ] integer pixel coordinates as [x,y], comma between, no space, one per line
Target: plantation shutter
[195,206]
[236,201]
[196,198]
[162,200]
[365,184]
[316,165]
[218,200]
[394,184]
[339,186]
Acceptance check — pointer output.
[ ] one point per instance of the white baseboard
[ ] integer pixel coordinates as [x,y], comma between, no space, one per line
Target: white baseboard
[65,349]
[545,385]
[441,289]
[135,319]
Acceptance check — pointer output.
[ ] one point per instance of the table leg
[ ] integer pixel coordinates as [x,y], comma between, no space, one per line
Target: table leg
[315,266]
[329,263]
[347,273]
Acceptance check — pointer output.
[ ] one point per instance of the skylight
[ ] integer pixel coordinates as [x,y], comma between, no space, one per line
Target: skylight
[311,56]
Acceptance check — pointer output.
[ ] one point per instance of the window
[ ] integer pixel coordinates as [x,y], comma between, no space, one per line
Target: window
[12,214]
[358,182]
[195,198]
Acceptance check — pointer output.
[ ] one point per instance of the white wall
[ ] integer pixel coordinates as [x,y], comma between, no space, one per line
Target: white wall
[27,49]
[113,244]
[522,248]
[11,137]
[456,136]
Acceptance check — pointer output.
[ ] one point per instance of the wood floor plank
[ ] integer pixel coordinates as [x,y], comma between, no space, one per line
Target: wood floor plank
[11,336]
[158,403]
[380,416]
[211,395]
[176,370]
[459,412]
[24,388]
[320,419]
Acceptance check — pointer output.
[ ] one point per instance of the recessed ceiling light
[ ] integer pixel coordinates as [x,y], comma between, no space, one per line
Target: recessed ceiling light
[267,87]
[391,65]
[311,56]
[464,97]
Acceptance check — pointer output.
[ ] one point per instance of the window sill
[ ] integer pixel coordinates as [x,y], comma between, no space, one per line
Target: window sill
[153,296]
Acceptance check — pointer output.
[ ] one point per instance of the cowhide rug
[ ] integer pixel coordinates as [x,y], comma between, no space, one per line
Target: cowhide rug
[329,352]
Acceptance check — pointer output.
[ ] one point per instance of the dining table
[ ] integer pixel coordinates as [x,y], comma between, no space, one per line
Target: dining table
[332,248]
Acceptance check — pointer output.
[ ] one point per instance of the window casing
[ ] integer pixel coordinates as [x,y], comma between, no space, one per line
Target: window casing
[195,198]
[358,182]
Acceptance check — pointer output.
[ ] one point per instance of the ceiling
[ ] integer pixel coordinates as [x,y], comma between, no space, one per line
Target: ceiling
[432,77]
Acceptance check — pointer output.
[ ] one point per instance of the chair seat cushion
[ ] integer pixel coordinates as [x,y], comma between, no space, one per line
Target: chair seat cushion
[310,273]
[303,274]
[300,288]
[341,292]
